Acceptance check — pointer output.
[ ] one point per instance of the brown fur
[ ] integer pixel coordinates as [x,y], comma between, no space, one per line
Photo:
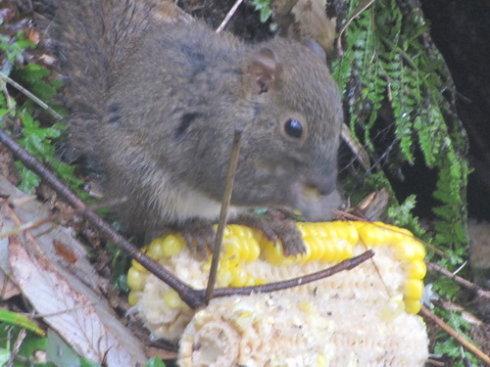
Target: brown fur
[156,105]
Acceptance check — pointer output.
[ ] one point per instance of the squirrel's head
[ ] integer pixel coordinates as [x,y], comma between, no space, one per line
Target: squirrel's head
[288,108]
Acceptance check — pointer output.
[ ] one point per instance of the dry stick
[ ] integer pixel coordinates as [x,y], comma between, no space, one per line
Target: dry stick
[460,280]
[295,282]
[15,350]
[453,333]
[189,295]
[192,297]
[356,147]
[225,203]
[363,5]
[228,16]
[433,362]
[36,99]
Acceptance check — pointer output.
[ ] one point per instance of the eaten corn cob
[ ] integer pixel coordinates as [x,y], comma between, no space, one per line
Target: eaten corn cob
[356,317]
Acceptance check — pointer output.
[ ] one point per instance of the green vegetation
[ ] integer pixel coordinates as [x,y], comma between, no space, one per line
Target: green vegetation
[387,61]
[37,138]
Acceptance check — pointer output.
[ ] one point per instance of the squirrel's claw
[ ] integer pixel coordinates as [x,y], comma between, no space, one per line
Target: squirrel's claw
[199,235]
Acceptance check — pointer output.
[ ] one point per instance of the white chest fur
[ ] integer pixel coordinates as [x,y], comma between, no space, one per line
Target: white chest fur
[178,204]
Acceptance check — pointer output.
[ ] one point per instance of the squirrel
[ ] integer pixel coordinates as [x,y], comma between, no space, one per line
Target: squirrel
[155,105]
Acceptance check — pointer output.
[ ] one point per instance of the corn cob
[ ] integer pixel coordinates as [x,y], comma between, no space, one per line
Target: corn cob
[248,258]
[325,243]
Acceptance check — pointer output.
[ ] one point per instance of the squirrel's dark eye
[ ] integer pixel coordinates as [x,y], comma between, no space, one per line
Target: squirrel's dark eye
[293,128]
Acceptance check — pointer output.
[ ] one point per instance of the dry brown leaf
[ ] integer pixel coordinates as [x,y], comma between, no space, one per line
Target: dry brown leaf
[78,315]
[8,288]
[373,205]
[33,36]
[306,19]
[29,210]
[313,22]
[57,278]
[168,12]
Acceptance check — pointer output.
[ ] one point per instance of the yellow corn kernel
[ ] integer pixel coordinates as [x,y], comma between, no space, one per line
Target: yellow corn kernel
[314,248]
[306,307]
[231,248]
[348,232]
[156,250]
[133,298]
[239,278]
[136,265]
[416,270]
[272,252]
[321,361]
[372,235]
[413,306]
[395,229]
[172,245]
[136,279]
[413,289]
[410,250]
[224,276]
[172,299]
[260,281]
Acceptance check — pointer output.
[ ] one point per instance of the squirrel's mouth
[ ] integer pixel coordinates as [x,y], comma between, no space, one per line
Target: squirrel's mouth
[313,203]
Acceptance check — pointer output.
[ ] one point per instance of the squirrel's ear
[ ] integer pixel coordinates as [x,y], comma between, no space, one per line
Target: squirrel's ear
[262,71]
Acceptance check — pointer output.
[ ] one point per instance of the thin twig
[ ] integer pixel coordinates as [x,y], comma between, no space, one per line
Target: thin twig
[453,307]
[358,11]
[460,280]
[228,16]
[436,363]
[15,350]
[356,147]
[295,282]
[53,314]
[225,203]
[30,95]
[468,345]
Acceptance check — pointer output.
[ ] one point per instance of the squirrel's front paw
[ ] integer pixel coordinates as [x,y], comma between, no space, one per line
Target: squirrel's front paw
[277,227]
[199,235]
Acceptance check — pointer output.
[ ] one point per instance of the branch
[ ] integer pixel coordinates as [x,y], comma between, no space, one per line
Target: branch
[468,345]
[295,282]
[460,280]
[228,16]
[29,94]
[225,203]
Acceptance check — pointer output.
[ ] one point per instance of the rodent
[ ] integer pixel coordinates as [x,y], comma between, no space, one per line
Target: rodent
[156,104]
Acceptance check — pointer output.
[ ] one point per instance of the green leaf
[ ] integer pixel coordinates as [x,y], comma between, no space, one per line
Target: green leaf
[87,363]
[4,356]
[264,9]
[28,179]
[155,362]
[20,320]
